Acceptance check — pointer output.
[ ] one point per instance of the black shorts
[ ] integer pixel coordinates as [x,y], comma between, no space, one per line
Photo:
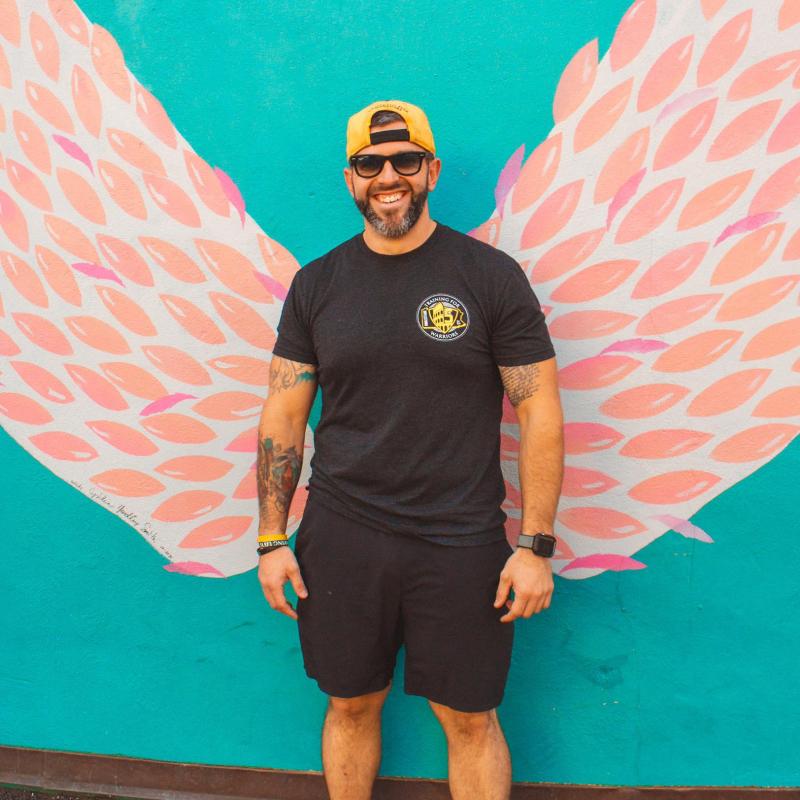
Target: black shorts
[371,591]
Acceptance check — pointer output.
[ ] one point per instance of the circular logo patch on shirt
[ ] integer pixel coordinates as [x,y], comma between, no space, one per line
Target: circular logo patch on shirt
[442,317]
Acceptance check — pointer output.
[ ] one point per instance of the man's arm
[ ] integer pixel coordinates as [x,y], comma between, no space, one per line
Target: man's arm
[281,436]
[533,391]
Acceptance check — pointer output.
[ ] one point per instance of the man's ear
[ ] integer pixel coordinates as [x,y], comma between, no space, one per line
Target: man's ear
[434,168]
[348,179]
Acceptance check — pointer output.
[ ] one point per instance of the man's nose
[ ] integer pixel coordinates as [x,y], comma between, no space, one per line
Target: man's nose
[387,172]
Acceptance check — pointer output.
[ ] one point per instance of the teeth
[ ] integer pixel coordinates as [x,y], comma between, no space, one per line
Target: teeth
[389,198]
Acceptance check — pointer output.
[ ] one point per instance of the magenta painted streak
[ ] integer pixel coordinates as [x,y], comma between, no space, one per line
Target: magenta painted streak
[74,150]
[684,527]
[635,346]
[96,271]
[278,289]
[688,100]
[193,568]
[508,177]
[748,224]
[625,193]
[165,402]
[231,192]
[612,561]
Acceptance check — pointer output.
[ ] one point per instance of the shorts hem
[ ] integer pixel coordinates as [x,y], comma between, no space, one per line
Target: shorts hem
[464,707]
[340,691]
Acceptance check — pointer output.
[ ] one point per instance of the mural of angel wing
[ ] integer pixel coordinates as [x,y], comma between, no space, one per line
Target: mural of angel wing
[139,302]
[658,224]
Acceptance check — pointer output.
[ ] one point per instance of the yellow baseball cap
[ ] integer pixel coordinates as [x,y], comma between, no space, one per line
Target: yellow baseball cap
[419,129]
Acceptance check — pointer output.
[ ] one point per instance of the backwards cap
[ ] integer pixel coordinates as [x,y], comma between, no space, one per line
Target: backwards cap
[419,129]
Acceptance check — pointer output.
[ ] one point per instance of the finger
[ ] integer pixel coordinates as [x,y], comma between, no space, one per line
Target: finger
[502,591]
[285,607]
[297,582]
[515,611]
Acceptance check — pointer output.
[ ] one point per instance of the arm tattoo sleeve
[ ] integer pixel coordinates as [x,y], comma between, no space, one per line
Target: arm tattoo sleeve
[278,470]
[285,374]
[520,382]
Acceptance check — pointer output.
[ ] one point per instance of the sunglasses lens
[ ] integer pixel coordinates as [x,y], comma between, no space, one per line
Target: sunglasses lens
[369,166]
[406,163]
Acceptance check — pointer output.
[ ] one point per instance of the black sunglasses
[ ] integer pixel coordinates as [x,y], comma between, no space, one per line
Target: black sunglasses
[407,163]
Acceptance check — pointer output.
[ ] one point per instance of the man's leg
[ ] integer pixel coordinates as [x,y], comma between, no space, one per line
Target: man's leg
[478,760]
[351,744]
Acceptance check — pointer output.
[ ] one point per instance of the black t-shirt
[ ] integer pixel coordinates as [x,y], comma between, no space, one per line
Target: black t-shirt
[406,349]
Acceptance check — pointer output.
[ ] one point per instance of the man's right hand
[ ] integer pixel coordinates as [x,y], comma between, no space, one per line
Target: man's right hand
[274,569]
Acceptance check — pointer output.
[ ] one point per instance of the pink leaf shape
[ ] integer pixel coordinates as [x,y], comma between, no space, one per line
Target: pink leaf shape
[727,393]
[596,372]
[779,189]
[128,483]
[666,74]
[245,442]
[576,82]
[508,177]
[602,116]
[188,505]
[25,409]
[787,132]
[64,446]
[650,211]
[696,351]
[748,254]
[552,215]
[679,486]
[600,523]
[122,437]
[589,437]
[725,48]
[632,33]
[664,443]
[594,281]
[566,255]
[686,135]
[580,482]
[217,532]
[755,444]
[744,131]
[537,173]
[676,314]
[588,324]
[643,401]
[764,75]
[714,200]
[624,162]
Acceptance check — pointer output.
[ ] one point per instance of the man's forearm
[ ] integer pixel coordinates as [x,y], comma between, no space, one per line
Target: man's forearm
[541,472]
[278,465]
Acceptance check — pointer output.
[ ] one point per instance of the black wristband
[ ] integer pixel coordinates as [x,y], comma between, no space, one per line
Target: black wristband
[266,548]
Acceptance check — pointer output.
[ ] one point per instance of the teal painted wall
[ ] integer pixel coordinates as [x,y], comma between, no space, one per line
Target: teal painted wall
[681,673]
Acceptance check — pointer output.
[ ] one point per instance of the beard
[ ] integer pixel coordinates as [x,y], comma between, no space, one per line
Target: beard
[393,227]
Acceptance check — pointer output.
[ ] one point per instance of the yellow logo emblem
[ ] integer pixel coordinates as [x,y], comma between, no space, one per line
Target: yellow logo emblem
[442,317]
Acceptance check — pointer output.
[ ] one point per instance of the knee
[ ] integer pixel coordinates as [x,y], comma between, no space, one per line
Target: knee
[464,724]
[360,706]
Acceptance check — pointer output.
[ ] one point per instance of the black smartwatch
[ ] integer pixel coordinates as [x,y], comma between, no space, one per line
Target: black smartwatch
[542,544]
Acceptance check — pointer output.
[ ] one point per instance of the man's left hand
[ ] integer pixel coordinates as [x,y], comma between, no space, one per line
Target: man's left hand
[531,577]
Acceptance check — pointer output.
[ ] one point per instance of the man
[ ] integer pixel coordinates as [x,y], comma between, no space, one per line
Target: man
[413,331]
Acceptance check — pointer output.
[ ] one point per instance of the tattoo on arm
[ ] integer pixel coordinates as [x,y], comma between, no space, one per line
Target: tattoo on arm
[285,374]
[278,470]
[520,382]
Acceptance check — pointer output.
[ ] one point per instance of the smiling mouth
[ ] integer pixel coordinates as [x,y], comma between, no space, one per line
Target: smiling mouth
[388,198]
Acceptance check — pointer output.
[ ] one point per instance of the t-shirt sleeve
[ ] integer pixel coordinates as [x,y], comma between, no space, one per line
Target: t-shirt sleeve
[294,331]
[519,334]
